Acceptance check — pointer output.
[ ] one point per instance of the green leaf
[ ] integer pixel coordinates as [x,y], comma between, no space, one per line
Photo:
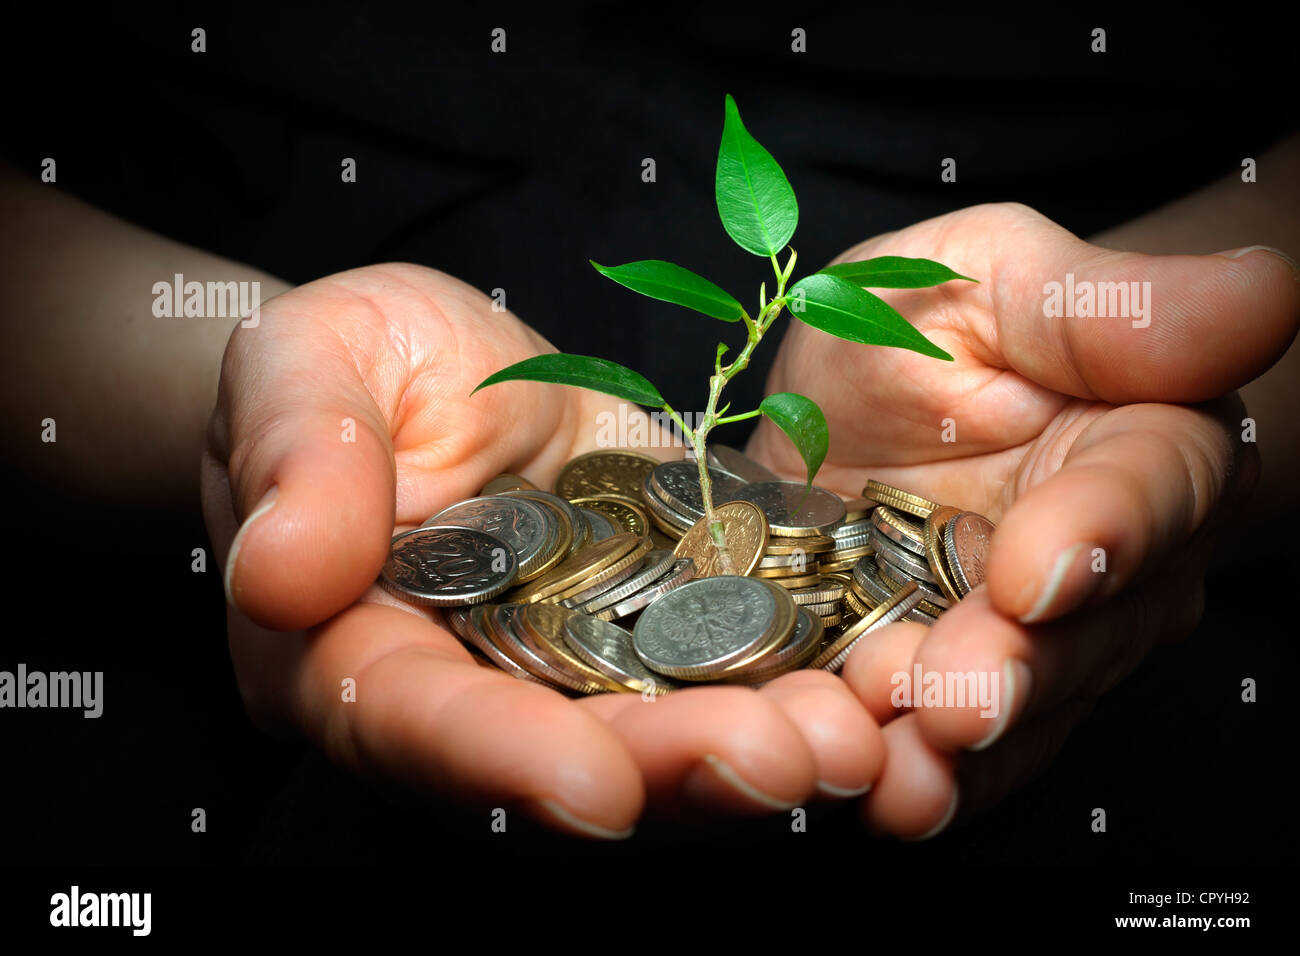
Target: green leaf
[755,201]
[803,421]
[894,272]
[671,283]
[582,371]
[842,309]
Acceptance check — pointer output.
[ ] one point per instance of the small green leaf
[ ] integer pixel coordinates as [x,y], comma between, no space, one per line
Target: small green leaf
[755,201]
[842,309]
[894,272]
[671,283]
[803,421]
[582,371]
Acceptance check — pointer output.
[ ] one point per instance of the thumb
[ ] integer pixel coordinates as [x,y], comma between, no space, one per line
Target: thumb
[1125,327]
[311,476]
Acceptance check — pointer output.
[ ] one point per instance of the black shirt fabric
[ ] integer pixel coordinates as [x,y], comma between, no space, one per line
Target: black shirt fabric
[510,170]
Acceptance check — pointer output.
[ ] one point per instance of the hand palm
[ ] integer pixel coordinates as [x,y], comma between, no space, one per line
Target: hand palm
[1059,430]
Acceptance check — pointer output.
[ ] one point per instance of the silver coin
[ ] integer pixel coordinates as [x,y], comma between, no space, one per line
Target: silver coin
[738,464]
[798,560]
[522,524]
[596,590]
[678,485]
[448,566]
[825,610]
[806,630]
[904,608]
[683,570]
[851,529]
[477,635]
[794,509]
[928,592]
[656,565]
[867,576]
[608,648]
[854,543]
[912,539]
[818,593]
[601,526]
[662,509]
[901,558]
[507,638]
[565,508]
[458,618]
[702,627]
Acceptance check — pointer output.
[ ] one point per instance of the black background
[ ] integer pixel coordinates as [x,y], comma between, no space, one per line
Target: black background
[511,171]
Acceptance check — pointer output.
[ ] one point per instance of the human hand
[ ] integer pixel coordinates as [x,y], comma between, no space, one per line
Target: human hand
[301,518]
[1068,437]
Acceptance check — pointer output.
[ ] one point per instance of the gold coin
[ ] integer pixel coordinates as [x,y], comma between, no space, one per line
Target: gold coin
[561,546]
[898,499]
[808,568]
[539,665]
[581,536]
[845,560]
[615,472]
[667,532]
[628,516]
[855,630]
[592,581]
[544,624]
[857,510]
[744,528]
[813,544]
[578,568]
[896,580]
[803,581]
[854,600]
[890,520]
[506,482]
[660,539]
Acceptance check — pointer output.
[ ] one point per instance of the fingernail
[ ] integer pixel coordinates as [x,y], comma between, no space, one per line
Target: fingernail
[711,775]
[841,793]
[1247,250]
[1016,678]
[565,818]
[942,825]
[1068,576]
[262,508]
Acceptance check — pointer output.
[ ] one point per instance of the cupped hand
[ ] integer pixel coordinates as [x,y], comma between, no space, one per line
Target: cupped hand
[1107,450]
[345,415]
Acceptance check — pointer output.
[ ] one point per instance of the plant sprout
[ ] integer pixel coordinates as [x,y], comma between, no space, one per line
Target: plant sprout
[758,210]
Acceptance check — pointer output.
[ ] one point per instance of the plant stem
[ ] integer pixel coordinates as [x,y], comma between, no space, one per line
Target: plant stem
[755,327]
[739,418]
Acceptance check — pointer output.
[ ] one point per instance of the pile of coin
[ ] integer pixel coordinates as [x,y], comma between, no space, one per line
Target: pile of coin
[790,576]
